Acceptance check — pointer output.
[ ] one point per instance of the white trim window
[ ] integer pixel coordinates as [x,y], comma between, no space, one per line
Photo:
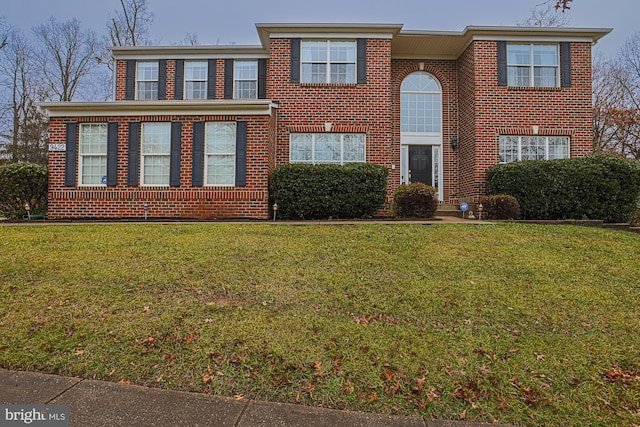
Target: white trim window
[155,150]
[220,153]
[147,81]
[534,65]
[515,148]
[245,79]
[195,79]
[328,61]
[93,154]
[327,148]
[420,104]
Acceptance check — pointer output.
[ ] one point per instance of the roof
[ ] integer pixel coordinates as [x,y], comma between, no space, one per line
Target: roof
[405,44]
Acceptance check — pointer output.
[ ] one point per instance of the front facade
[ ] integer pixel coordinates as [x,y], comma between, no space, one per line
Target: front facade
[194,132]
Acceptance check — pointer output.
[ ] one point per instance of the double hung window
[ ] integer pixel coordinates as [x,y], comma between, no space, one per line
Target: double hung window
[195,79]
[156,153]
[147,81]
[534,65]
[328,61]
[220,153]
[93,153]
[245,79]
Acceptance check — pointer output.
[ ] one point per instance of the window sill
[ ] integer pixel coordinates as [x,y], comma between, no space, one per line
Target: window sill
[535,88]
[328,84]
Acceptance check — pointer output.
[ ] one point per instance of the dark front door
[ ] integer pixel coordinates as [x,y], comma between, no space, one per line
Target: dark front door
[420,164]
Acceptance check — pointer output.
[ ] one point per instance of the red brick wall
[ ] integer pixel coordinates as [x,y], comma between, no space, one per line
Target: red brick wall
[363,108]
[508,110]
[185,201]
[467,135]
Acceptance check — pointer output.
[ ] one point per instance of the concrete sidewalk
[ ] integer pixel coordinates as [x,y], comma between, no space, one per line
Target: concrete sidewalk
[99,403]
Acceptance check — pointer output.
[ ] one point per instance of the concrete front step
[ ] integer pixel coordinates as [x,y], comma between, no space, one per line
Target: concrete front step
[445,209]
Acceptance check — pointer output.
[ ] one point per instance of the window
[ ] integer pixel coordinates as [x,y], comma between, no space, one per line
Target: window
[328,61]
[195,79]
[156,153]
[514,148]
[220,152]
[147,81]
[534,65]
[336,148]
[93,154]
[420,104]
[245,79]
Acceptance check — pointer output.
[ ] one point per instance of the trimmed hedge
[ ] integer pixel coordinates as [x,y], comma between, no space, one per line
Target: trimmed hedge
[355,190]
[20,183]
[599,186]
[415,200]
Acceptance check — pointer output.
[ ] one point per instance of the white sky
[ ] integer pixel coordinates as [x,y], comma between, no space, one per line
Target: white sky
[233,21]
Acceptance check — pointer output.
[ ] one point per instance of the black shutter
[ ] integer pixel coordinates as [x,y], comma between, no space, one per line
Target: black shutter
[502,63]
[71,155]
[241,154]
[262,79]
[295,60]
[130,85]
[211,79]
[362,61]
[565,64]
[179,79]
[162,79]
[197,169]
[134,154]
[176,137]
[112,154]
[228,79]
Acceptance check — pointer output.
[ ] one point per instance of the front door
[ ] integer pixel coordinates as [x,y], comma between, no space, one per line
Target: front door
[421,164]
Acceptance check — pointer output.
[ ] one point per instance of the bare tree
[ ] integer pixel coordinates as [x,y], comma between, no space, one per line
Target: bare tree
[68,55]
[546,15]
[23,125]
[4,30]
[130,26]
[616,101]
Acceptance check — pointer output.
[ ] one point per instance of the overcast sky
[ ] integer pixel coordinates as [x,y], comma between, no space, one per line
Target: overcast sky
[233,21]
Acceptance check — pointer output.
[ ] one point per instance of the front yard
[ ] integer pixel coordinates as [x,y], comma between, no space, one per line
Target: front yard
[526,324]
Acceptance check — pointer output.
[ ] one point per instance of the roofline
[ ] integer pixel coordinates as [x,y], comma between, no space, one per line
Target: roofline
[158,108]
[173,52]
[265,29]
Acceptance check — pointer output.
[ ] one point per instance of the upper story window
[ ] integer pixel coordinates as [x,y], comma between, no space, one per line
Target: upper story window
[147,81]
[328,61]
[534,65]
[420,104]
[195,79]
[336,148]
[245,79]
[514,148]
[93,153]
[156,153]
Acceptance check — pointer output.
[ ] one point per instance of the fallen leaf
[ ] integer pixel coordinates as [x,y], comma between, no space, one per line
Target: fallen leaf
[463,414]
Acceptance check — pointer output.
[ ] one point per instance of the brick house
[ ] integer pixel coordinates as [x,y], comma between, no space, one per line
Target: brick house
[194,131]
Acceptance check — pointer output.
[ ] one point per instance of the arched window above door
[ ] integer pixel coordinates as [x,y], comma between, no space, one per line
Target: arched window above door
[420,104]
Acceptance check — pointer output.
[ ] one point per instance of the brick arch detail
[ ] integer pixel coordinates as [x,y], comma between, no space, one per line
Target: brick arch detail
[444,85]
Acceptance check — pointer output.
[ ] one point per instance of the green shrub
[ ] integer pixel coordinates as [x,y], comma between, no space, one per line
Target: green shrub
[501,206]
[355,190]
[635,219]
[20,183]
[415,200]
[599,186]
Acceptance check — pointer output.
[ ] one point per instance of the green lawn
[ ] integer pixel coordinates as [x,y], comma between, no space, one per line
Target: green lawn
[526,324]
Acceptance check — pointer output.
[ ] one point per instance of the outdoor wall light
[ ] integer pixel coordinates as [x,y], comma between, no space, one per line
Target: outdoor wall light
[454,143]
